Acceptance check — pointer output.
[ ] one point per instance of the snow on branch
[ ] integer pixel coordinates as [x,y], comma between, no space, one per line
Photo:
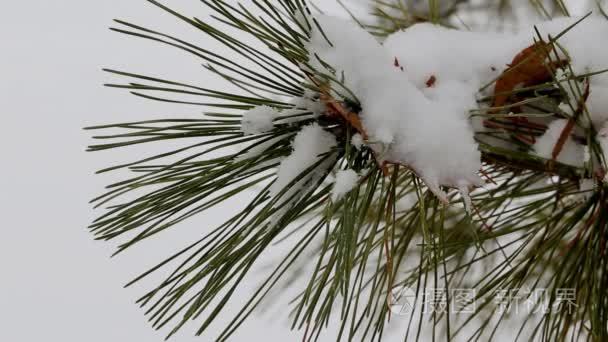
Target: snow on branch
[417,88]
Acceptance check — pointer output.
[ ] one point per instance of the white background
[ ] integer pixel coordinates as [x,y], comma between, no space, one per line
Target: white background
[56,283]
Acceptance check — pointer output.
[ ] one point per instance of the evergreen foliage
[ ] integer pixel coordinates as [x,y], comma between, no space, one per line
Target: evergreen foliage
[531,227]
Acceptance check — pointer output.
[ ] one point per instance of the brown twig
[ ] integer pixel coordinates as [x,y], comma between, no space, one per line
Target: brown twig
[567,131]
[528,68]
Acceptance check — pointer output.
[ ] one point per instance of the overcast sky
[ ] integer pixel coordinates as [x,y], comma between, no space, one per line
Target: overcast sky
[56,284]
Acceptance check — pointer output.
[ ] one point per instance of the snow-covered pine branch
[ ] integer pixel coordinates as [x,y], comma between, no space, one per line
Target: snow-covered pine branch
[415,98]
[333,123]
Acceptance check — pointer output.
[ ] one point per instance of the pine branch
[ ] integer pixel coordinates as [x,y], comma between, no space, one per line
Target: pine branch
[531,225]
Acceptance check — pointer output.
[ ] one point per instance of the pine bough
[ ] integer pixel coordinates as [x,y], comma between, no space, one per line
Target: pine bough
[417,157]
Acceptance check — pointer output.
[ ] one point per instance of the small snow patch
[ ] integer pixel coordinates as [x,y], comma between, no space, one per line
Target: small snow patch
[571,153]
[309,146]
[258,120]
[346,180]
[357,141]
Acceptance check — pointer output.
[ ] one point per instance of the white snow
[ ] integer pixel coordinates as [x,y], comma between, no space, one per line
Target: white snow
[417,113]
[303,108]
[586,154]
[586,56]
[572,153]
[345,181]
[433,137]
[308,103]
[357,141]
[474,59]
[258,120]
[597,104]
[309,146]
[425,50]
